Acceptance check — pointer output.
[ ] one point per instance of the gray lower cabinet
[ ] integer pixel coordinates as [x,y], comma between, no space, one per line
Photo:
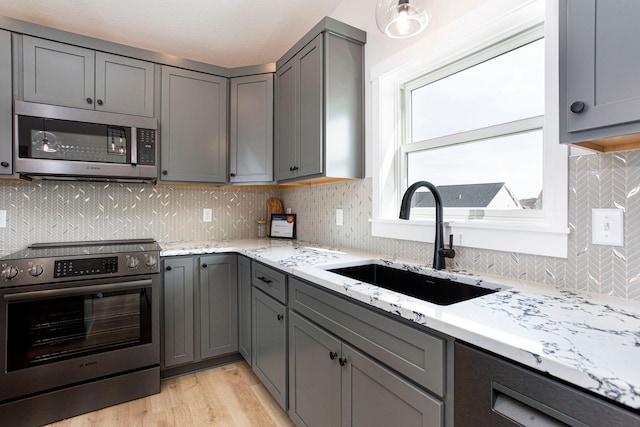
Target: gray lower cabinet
[599,90]
[6,105]
[374,395]
[315,374]
[60,74]
[178,304]
[218,305]
[349,365]
[194,126]
[251,129]
[200,300]
[244,307]
[269,347]
[319,114]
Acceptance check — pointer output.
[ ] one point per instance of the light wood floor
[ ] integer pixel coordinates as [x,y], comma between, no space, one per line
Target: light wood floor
[229,395]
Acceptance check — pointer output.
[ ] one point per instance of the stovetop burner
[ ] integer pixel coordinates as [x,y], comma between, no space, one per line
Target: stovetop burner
[56,262]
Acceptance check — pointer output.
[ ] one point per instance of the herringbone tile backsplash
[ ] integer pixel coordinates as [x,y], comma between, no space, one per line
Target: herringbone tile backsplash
[61,211]
[595,181]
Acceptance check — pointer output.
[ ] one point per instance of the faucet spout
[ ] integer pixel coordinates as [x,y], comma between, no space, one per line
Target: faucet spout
[439,252]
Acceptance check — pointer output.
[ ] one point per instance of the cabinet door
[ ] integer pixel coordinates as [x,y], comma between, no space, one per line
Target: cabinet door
[373,395]
[314,374]
[124,85]
[244,307]
[178,311]
[218,305]
[601,67]
[194,126]
[311,139]
[251,133]
[6,105]
[286,129]
[56,73]
[269,349]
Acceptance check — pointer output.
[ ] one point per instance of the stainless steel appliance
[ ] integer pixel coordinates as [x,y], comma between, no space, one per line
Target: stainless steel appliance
[63,143]
[79,328]
[491,391]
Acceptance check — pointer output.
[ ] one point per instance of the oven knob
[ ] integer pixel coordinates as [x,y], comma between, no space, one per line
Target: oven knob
[9,272]
[35,270]
[133,262]
[150,260]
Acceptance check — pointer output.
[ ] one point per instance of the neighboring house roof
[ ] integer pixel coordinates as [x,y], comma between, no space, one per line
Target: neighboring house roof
[470,196]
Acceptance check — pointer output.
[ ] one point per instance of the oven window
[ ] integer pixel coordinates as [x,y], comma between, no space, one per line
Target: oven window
[49,330]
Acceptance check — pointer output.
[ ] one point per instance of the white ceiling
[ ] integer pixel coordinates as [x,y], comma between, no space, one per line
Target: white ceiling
[231,33]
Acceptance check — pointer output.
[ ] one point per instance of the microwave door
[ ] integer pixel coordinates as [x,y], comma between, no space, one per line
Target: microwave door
[73,141]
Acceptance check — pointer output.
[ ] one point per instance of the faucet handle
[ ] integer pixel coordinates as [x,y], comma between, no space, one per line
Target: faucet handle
[448,253]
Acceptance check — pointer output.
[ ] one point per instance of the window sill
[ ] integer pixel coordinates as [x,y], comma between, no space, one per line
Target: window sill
[534,239]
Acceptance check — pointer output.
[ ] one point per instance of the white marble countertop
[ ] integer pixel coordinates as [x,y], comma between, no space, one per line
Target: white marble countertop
[592,341]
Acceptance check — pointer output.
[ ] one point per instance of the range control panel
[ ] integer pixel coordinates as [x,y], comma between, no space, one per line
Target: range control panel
[85,267]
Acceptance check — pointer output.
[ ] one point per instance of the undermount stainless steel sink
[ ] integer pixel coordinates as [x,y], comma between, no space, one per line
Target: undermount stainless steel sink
[427,288]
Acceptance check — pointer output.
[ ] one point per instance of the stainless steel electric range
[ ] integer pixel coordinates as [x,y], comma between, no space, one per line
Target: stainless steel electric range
[79,328]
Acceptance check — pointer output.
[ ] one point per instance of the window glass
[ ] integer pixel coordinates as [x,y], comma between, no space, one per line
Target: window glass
[497,173]
[503,89]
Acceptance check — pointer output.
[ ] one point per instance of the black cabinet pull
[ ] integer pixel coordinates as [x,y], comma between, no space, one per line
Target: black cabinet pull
[89,100]
[280,316]
[5,164]
[342,361]
[333,355]
[577,107]
[99,102]
[204,265]
[168,268]
[232,175]
[264,279]
[165,172]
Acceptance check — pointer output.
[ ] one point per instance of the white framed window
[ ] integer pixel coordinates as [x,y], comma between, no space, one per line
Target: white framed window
[475,116]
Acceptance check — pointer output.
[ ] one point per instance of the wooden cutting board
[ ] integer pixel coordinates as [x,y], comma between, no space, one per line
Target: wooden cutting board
[274,206]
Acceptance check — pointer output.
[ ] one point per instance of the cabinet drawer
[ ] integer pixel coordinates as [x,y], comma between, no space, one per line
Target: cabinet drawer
[411,352]
[269,280]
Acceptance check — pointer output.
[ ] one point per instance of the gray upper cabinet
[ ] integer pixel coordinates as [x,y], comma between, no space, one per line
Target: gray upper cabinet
[319,123]
[6,105]
[71,76]
[599,82]
[194,126]
[251,129]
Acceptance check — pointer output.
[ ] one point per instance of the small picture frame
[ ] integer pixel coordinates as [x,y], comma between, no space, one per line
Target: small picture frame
[283,226]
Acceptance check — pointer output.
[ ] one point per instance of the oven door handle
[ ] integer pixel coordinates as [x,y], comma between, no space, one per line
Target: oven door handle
[78,290]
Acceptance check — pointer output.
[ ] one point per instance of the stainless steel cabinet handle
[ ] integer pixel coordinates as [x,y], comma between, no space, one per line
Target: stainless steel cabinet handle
[80,290]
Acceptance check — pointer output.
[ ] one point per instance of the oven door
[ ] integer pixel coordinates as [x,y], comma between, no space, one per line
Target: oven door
[58,335]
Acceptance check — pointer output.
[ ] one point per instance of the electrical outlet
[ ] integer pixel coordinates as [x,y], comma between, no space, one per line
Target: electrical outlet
[3,219]
[207,215]
[339,217]
[607,227]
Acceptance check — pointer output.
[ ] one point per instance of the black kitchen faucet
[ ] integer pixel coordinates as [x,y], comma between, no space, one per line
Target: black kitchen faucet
[439,251]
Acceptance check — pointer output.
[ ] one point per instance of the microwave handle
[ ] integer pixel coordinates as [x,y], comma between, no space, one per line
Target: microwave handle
[134,146]
[76,290]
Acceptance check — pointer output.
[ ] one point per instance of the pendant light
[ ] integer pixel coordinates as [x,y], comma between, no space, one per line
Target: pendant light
[401,18]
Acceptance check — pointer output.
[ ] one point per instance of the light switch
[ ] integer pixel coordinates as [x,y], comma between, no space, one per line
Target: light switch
[607,227]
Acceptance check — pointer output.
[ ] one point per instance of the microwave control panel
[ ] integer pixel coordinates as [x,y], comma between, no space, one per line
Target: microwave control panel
[146,147]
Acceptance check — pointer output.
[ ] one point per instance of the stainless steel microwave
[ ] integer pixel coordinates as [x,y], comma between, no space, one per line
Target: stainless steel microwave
[53,142]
